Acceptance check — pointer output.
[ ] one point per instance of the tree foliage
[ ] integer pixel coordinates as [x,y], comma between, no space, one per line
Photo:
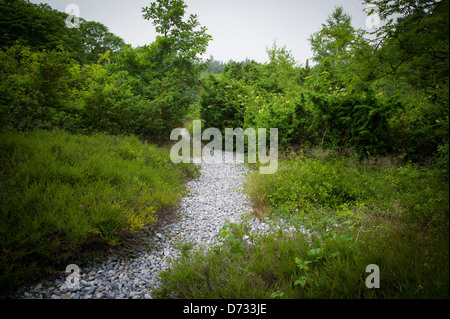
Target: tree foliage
[181,39]
[384,92]
[334,39]
[378,93]
[40,27]
[37,26]
[415,46]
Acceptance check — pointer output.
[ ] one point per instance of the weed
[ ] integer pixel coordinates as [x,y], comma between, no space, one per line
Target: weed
[59,192]
[394,216]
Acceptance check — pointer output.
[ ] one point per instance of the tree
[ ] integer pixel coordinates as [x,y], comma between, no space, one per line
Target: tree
[179,48]
[165,73]
[410,62]
[214,66]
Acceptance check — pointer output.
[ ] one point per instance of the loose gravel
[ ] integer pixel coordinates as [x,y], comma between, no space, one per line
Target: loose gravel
[214,198]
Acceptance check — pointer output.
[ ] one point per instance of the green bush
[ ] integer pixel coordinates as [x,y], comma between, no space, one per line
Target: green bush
[50,90]
[419,123]
[108,104]
[443,159]
[61,191]
[229,103]
[359,213]
[168,86]
[277,110]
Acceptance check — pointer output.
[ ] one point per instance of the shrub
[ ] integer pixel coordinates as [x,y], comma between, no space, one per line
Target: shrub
[419,123]
[228,103]
[50,90]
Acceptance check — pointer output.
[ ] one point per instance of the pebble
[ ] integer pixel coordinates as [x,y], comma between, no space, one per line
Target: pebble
[215,198]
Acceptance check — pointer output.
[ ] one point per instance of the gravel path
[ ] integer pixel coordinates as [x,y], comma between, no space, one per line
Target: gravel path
[215,198]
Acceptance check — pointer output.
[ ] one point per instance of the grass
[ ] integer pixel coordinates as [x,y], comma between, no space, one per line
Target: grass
[59,192]
[377,211]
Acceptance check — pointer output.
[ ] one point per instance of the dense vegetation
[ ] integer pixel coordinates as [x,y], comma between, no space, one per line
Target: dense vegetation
[97,83]
[363,130]
[360,213]
[62,192]
[84,179]
[365,167]
[400,106]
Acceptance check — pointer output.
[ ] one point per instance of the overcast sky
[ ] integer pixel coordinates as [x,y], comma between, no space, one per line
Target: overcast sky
[240,28]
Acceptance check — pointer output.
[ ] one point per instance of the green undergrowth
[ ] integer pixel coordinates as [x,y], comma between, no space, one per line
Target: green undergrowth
[360,213]
[59,192]
[320,189]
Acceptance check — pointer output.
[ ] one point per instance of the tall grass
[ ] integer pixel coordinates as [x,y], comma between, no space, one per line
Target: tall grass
[322,192]
[371,212]
[268,268]
[60,191]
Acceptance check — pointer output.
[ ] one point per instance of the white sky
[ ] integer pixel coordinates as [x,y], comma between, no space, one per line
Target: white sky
[240,28]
